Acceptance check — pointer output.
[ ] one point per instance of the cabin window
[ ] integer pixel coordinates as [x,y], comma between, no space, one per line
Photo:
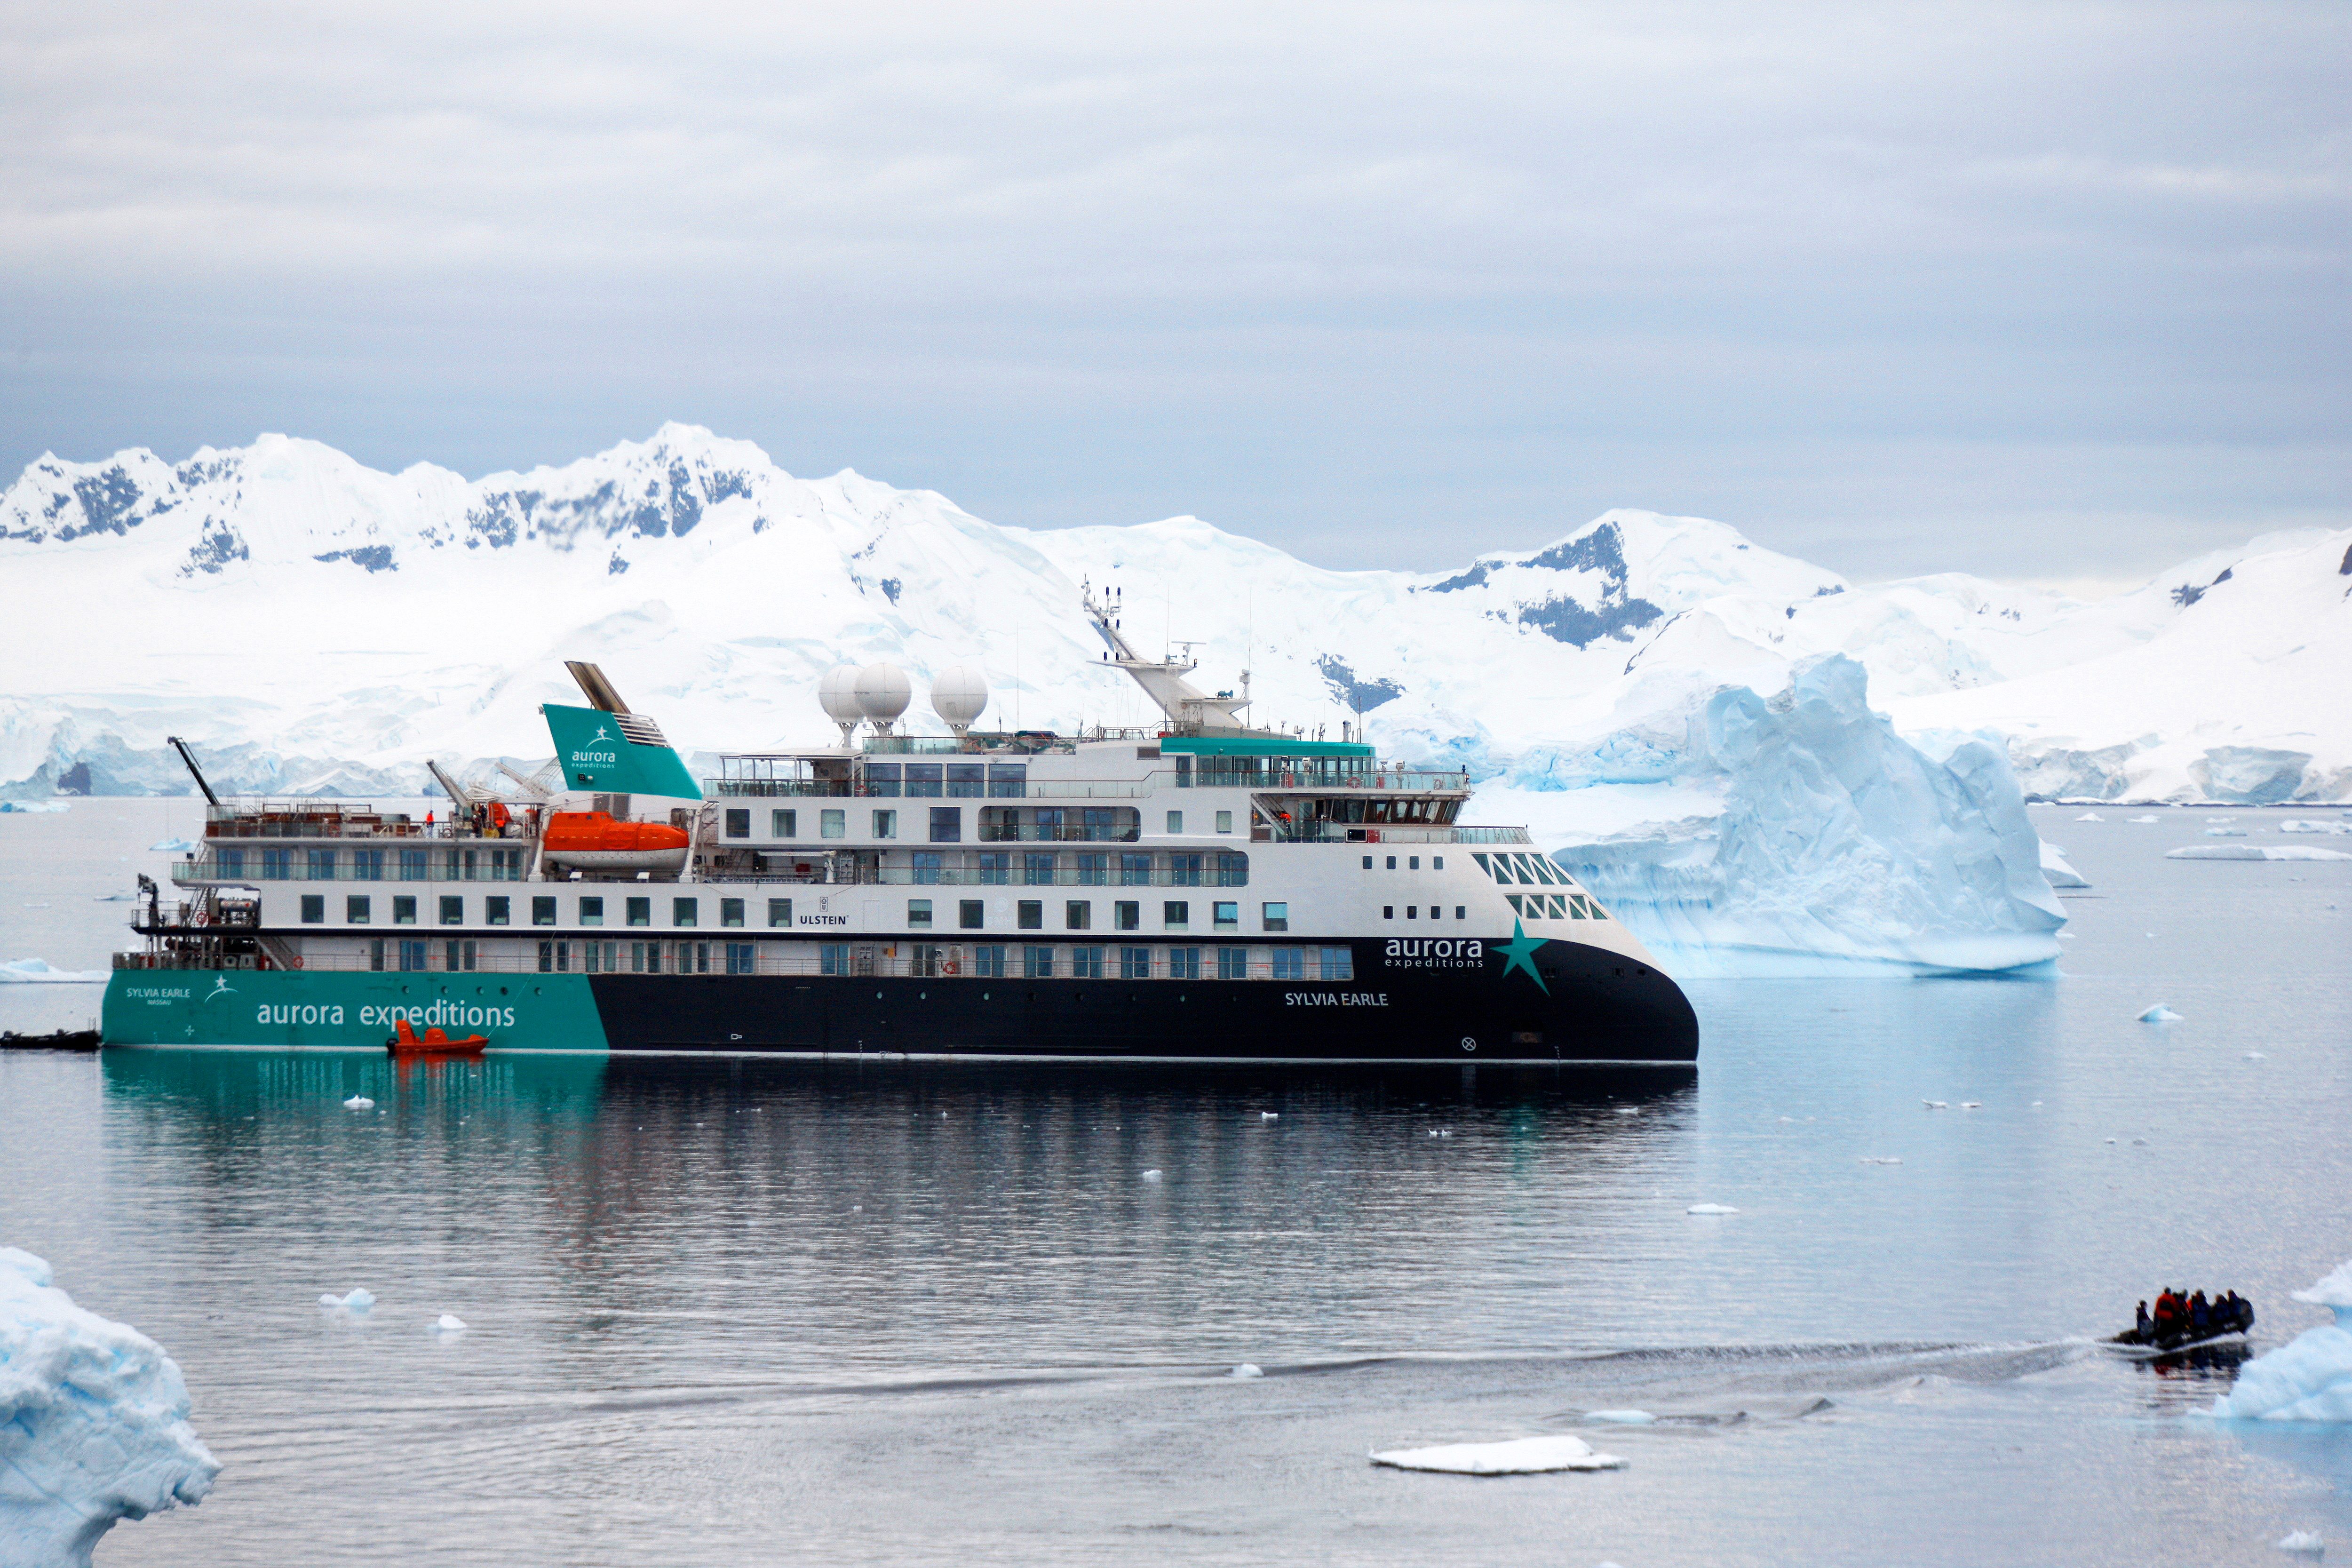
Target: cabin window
[684,911]
[967,780]
[367,865]
[453,909]
[355,909]
[738,822]
[928,868]
[1086,963]
[885,825]
[1224,822]
[694,953]
[923,779]
[1094,870]
[1134,964]
[404,909]
[1078,915]
[1037,870]
[494,910]
[1227,917]
[641,910]
[1175,822]
[1126,914]
[1412,912]
[1274,917]
[882,779]
[1290,964]
[1368,862]
[1184,870]
[1135,870]
[832,823]
[782,823]
[988,961]
[1388,911]
[1233,871]
[375,954]
[1437,862]
[1232,963]
[542,911]
[591,911]
[230,862]
[1037,962]
[1338,963]
[779,913]
[738,958]
[1413,863]
[919,914]
[278,865]
[1029,914]
[833,958]
[1392,862]
[321,865]
[731,912]
[1184,963]
[457,955]
[946,823]
[413,955]
[1175,915]
[1008,780]
[971,914]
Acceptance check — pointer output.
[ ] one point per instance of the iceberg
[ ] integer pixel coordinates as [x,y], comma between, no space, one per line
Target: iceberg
[1808,836]
[2055,871]
[1516,1457]
[1710,1208]
[93,1424]
[2255,852]
[37,972]
[2307,1379]
[2159,1013]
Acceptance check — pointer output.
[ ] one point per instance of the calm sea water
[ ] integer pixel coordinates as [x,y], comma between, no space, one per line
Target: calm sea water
[736,1311]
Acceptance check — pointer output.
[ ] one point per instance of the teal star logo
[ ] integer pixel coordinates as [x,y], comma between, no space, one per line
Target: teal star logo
[1520,954]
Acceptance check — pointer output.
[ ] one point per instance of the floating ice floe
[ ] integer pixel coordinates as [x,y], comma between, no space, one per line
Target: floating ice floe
[1516,1456]
[1629,1110]
[1621,1417]
[2256,1056]
[448,1323]
[1882,1159]
[117,898]
[1710,1208]
[2313,824]
[37,972]
[2255,852]
[1150,1175]
[2090,816]
[1269,1115]
[2159,1013]
[359,1300]
[1247,1369]
[2304,1543]
[359,1103]
[1972,1105]
[96,1422]
[1936,1104]
[2310,1377]
[2143,821]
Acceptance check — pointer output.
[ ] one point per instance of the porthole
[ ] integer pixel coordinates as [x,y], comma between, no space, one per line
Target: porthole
[1468,1044]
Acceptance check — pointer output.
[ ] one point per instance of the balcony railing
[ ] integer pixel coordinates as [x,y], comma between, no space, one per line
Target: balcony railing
[1386,832]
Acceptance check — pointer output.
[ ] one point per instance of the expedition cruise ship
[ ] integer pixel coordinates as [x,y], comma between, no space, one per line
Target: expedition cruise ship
[1198,891]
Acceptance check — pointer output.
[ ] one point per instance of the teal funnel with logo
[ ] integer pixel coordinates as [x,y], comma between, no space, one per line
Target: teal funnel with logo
[619,753]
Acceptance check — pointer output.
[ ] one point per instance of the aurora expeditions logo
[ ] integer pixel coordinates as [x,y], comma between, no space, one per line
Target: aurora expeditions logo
[1435,952]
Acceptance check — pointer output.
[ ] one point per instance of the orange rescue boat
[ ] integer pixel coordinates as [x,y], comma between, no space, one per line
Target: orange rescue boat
[598,841]
[433,1042]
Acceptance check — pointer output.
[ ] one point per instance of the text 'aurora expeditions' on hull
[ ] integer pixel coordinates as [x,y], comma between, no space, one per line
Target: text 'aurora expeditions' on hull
[1198,891]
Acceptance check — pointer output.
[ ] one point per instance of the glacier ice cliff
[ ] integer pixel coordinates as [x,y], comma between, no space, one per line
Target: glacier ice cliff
[93,1424]
[1806,835]
[2307,1379]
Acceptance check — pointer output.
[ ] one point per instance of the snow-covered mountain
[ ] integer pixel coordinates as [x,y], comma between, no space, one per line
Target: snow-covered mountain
[310,623]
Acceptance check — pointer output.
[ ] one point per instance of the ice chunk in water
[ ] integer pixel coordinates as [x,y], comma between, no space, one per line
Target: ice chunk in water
[2307,1379]
[1150,1175]
[1710,1208]
[1882,1159]
[359,1300]
[2307,1542]
[1269,1115]
[359,1103]
[2159,1013]
[1247,1369]
[1515,1457]
[96,1418]
[1621,1417]
[2143,821]
[2090,816]
[448,1323]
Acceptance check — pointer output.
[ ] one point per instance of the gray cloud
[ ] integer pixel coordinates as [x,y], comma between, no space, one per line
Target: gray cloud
[2030,290]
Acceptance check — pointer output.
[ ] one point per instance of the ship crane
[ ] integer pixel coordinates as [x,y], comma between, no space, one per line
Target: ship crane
[1190,710]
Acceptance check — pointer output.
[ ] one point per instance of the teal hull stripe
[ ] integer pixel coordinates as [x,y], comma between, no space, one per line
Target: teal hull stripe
[346,1011]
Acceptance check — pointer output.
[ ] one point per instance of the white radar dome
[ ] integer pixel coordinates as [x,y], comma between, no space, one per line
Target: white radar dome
[883,692]
[959,696]
[838,693]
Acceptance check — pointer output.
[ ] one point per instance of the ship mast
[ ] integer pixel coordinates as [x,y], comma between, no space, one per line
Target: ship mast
[1190,711]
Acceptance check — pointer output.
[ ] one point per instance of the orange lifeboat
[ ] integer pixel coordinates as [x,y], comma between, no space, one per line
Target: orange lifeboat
[597,841]
[433,1042]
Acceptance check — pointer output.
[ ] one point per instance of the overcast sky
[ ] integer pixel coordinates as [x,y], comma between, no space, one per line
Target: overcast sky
[2043,291]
